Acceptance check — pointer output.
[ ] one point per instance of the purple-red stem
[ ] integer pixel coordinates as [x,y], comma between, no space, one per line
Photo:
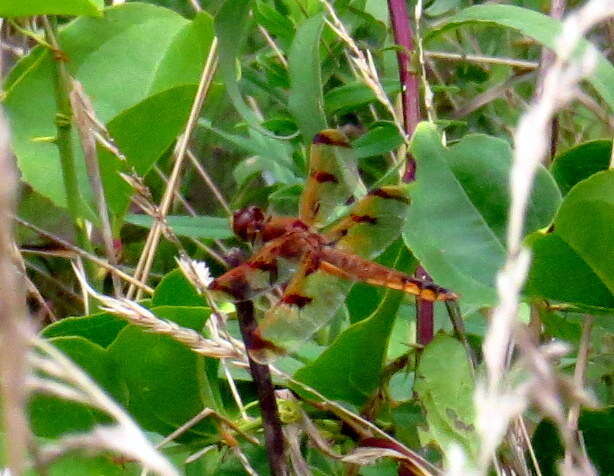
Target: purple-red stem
[410,91]
[410,98]
[261,375]
[425,321]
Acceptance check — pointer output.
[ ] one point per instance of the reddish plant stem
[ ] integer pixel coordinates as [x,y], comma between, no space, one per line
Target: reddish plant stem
[261,375]
[410,94]
[425,320]
[410,91]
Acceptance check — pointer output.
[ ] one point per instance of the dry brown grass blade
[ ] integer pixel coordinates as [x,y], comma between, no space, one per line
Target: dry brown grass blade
[13,325]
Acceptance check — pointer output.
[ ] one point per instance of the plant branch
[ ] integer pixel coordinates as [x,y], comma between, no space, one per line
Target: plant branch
[64,115]
[261,375]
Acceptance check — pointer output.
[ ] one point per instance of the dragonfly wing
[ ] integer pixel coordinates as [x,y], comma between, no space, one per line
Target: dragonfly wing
[260,273]
[309,302]
[373,223]
[333,178]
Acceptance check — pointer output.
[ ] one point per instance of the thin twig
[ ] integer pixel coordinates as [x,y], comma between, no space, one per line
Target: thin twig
[578,379]
[84,254]
[205,176]
[514,63]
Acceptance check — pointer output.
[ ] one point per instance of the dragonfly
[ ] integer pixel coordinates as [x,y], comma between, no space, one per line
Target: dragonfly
[315,256]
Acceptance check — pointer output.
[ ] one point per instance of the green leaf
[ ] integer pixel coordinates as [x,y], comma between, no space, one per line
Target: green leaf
[444,384]
[350,369]
[575,264]
[305,101]
[379,140]
[439,7]
[271,155]
[176,290]
[355,94]
[231,27]
[51,416]
[143,133]
[456,220]
[210,228]
[559,273]
[580,162]
[100,328]
[585,223]
[167,381]
[20,8]
[596,428]
[538,26]
[121,60]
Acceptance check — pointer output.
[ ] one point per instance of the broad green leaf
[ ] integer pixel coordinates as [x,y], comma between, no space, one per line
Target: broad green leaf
[176,290]
[100,328]
[210,228]
[538,26]
[575,263]
[580,162]
[305,102]
[456,221]
[143,133]
[444,384]
[585,223]
[21,8]
[167,381]
[121,60]
[350,368]
[51,416]
[559,273]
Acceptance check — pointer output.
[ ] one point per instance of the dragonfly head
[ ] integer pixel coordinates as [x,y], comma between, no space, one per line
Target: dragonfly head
[248,223]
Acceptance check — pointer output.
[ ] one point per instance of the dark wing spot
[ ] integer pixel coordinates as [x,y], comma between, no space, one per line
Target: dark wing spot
[238,287]
[364,219]
[255,343]
[296,300]
[331,137]
[322,177]
[351,199]
[267,266]
[387,194]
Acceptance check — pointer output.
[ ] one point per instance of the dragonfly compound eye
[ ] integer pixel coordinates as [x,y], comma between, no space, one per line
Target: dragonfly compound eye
[248,222]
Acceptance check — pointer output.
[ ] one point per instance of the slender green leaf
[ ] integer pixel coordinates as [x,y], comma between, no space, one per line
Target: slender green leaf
[231,26]
[356,94]
[538,26]
[211,228]
[306,102]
